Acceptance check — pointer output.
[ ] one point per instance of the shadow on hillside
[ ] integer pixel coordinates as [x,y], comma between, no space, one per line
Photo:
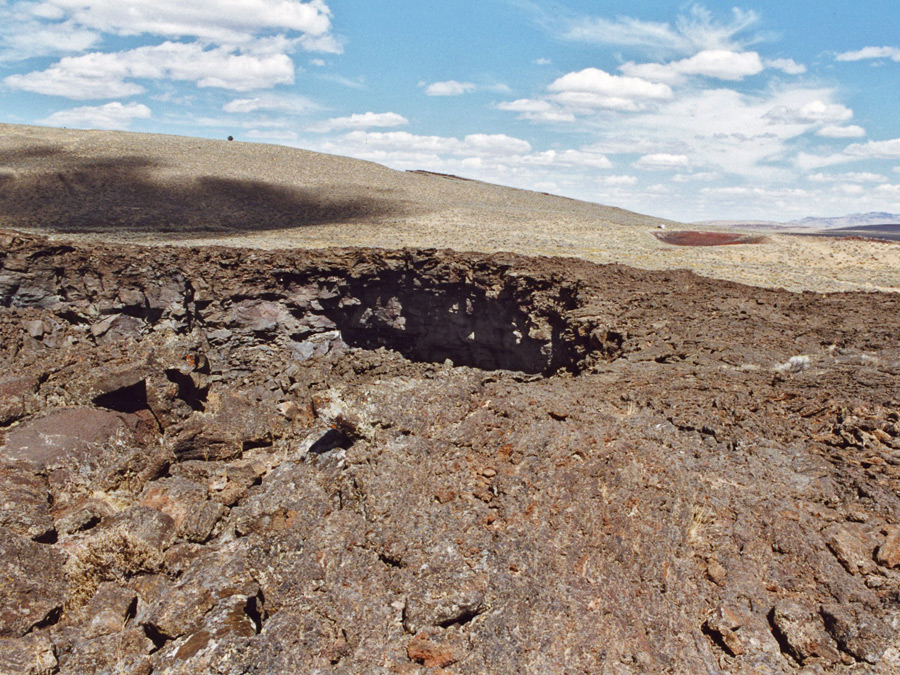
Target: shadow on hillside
[122,195]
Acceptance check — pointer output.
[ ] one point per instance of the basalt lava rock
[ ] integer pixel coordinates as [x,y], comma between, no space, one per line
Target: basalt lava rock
[233,461]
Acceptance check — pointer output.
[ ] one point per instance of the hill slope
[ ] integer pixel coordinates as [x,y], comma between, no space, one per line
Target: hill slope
[116,186]
[135,185]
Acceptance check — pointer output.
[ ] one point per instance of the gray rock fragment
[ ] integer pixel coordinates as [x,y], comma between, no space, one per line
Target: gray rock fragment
[857,631]
[801,633]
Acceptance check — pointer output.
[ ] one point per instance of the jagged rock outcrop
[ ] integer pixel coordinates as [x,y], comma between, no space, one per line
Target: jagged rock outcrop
[228,461]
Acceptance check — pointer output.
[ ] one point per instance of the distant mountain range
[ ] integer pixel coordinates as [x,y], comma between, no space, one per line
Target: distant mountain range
[851,221]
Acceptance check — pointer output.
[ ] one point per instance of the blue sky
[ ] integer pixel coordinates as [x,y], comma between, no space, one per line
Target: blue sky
[764,110]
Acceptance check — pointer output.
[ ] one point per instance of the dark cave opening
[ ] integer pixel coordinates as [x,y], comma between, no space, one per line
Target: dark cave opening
[458,322]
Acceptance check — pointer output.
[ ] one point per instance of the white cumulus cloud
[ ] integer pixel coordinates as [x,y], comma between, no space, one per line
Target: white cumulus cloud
[817,111]
[875,149]
[720,130]
[401,141]
[107,75]
[26,34]
[70,78]
[788,66]
[892,53]
[274,102]
[537,110]
[223,21]
[662,161]
[473,144]
[699,176]
[617,181]
[715,63]
[855,152]
[366,120]
[592,89]
[850,177]
[449,88]
[836,131]
[490,144]
[596,81]
[570,158]
[115,115]
[812,111]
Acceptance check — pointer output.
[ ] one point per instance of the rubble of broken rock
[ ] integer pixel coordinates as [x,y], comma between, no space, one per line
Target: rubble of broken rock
[233,461]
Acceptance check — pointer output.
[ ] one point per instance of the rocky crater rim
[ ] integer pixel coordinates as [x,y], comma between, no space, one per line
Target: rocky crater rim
[429,306]
[505,326]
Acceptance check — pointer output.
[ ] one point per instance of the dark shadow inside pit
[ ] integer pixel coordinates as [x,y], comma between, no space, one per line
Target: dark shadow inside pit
[128,399]
[456,322]
[187,390]
[331,439]
[68,194]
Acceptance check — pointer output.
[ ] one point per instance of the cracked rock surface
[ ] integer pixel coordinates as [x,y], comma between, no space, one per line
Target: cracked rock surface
[226,461]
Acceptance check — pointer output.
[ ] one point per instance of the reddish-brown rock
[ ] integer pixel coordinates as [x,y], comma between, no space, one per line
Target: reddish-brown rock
[25,501]
[346,460]
[430,654]
[888,554]
[34,586]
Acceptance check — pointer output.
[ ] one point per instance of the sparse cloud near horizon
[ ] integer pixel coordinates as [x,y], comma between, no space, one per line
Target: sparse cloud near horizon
[537,110]
[366,120]
[449,88]
[622,180]
[662,162]
[113,115]
[850,177]
[472,145]
[856,152]
[282,135]
[271,102]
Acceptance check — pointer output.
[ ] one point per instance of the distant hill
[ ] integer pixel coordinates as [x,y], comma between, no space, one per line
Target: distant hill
[105,186]
[153,187]
[745,224]
[853,220]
